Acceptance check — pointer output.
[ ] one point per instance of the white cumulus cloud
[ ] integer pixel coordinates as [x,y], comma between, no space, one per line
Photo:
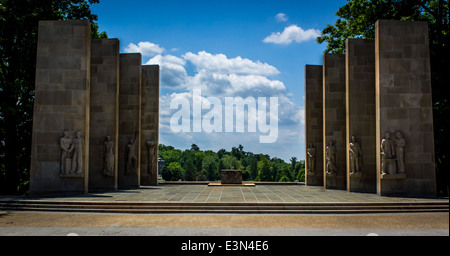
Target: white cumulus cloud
[172,72]
[145,48]
[291,34]
[281,17]
[220,63]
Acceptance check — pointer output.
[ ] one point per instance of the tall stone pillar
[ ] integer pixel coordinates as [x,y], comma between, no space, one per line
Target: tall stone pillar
[361,138]
[404,114]
[334,121]
[129,120]
[104,113]
[314,125]
[60,138]
[149,124]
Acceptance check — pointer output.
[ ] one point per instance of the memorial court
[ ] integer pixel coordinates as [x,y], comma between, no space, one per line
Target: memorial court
[369,125]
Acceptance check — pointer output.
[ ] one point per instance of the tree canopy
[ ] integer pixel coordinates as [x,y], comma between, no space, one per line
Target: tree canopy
[197,165]
[357,19]
[19,20]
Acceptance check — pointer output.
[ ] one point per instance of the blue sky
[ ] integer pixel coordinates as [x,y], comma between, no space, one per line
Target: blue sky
[243,48]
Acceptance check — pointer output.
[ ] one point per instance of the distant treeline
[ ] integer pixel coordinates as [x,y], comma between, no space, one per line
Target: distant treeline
[197,165]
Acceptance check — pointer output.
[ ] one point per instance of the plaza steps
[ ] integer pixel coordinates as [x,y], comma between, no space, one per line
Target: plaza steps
[223,208]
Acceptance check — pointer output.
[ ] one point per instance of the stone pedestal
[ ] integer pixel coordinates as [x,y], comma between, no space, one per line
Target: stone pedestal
[314,125]
[149,124]
[404,104]
[61,108]
[360,90]
[103,141]
[334,122]
[229,177]
[129,120]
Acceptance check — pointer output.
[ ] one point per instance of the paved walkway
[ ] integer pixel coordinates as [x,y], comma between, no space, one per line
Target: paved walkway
[225,194]
[62,224]
[92,224]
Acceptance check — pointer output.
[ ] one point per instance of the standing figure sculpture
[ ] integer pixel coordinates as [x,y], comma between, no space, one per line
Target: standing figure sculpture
[66,144]
[151,155]
[400,151]
[108,157]
[130,156]
[311,153]
[330,154]
[355,154]
[77,160]
[387,154]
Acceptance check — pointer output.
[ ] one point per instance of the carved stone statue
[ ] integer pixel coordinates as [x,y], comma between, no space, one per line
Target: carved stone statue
[108,157]
[77,160]
[400,151]
[355,154]
[66,151]
[311,153]
[130,156]
[387,155]
[151,155]
[330,153]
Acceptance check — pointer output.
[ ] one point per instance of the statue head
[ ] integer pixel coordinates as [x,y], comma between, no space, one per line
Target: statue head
[353,138]
[78,134]
[66,134]
[108,138]
[399,134]
[387,135]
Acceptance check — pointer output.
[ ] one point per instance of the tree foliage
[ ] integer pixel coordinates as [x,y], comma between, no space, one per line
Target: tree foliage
[197,165]
[19,21]
[357,19]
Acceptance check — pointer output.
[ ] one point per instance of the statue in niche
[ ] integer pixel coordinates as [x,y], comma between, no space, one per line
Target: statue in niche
[130,156]
[108,157]
[151,155]
[330,154]
[387,155]
[311,154]
[77,160]
[400,152]
[355,154]
[66,144]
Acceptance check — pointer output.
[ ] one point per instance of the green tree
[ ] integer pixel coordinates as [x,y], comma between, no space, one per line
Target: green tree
[210,165]
[19,22]
[171,155]
[254,168]
[190,171]
[221,153]
[201,175]
[220,166]
[357,20]
[172,172]
[300,168]
[264,170]
[230,162]
[293,164]
[194,147]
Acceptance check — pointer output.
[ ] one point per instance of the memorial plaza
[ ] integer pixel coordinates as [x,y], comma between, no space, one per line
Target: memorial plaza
[144,218]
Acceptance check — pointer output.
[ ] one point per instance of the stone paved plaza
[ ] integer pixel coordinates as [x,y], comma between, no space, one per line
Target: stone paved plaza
[203,193]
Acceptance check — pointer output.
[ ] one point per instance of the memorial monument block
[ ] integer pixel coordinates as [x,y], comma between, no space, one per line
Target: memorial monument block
[60,136]
[404,111]
[149,124]
[231,177]
[129,120]
[104,137]
[334,121]
[360,96]
[314,125]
